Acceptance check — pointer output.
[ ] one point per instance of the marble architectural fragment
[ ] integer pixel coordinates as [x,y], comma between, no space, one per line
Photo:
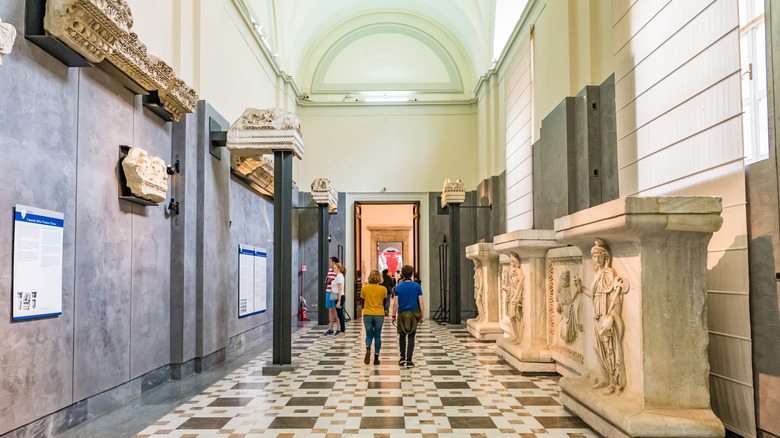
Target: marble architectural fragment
[323,192]
[178,99]
[453,192]
[7,38]
[147,177]
[260,172]
[258,132]
[90,27]
[645,367]
[486,289]
[566,309]
[131,57]
[526,346]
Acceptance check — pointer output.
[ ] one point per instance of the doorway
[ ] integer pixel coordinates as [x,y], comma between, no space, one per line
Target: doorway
[387,235]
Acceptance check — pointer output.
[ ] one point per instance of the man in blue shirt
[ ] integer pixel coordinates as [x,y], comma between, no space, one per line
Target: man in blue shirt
[409,310]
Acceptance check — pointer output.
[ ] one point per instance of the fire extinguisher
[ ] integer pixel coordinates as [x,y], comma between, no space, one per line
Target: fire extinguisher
[302,302]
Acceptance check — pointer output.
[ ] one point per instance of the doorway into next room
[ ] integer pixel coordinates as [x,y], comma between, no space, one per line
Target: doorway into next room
[387,236]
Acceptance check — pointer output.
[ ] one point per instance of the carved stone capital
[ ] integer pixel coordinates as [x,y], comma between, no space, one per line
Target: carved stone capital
[130,56]
[7,37]
[260,172]
[90,27]
[258,132]
[453,192]
[178,99]
[146,176]
[323,192]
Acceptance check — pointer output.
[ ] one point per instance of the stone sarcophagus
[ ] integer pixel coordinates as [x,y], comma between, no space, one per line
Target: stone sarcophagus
[258,132]
[147,177]
[90,27]
[644,316]
[486,325]
[525,345]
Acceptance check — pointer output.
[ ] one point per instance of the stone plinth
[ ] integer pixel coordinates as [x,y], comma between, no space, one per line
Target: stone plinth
[645,328]
[525,347]
[485,326]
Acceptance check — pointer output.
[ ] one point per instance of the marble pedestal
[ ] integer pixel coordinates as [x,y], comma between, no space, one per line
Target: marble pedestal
[650,253]
[485,326]
[527,351]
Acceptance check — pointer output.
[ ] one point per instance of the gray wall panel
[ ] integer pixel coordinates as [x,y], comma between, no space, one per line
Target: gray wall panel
[38,169]
[103,238]
[151,258]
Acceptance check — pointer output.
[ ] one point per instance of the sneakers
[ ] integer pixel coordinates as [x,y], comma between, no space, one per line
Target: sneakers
[402,362]
[376,359]
[367,359]
[337,332]
[409,364]
[329,332]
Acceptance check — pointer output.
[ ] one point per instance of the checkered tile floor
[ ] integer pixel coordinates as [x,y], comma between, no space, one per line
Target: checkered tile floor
[458,388]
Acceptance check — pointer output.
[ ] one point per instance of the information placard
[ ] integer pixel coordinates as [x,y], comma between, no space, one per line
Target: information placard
[252,265]
[37,276]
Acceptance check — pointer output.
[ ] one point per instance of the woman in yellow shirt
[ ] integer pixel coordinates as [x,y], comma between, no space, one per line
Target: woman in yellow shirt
[373,314]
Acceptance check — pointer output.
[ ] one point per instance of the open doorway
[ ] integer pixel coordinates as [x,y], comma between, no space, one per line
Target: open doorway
[387,236]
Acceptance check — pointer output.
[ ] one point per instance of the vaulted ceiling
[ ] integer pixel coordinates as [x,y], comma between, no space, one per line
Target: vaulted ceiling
[339,48]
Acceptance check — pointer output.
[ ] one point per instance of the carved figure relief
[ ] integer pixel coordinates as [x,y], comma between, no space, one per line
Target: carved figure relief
[7,38]
[90,27]
[146,176]
[567,305]
[514,297]
[479,293]
[607,293]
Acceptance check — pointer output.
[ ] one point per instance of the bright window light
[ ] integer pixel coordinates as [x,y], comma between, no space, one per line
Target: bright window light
[508,12]
[755,121]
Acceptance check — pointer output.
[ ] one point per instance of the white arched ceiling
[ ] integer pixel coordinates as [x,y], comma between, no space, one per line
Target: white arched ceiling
[389,57]
[463,27]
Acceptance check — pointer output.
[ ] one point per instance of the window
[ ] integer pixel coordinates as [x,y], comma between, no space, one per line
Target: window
[752,35]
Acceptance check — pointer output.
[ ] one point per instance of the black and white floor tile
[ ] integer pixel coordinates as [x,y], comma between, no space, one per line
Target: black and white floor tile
[458,388]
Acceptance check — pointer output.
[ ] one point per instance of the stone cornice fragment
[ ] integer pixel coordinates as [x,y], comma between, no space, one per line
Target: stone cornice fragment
[260,172]
[178,99]
[131,57]
[7,37]
[258,132]
[147,177]
[453,192]
[323,192]
[90,27]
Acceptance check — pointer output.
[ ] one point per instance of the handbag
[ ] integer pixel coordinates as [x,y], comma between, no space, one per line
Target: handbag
[334,296]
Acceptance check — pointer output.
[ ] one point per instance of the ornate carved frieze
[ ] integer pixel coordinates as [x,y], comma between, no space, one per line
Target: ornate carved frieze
[178,99]
[259,172]
[90,27]
[7,37]
[146,176]
[258,132]
[130,56]
[564,307]
[323,192]
[453,192]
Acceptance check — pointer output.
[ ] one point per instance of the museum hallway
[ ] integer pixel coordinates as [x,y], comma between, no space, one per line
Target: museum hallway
[458,388]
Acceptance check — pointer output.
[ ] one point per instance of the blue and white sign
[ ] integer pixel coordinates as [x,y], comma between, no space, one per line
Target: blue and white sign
[37,277]
[252,266]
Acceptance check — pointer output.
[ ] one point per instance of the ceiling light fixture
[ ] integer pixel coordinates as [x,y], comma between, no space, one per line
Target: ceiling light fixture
[386,99]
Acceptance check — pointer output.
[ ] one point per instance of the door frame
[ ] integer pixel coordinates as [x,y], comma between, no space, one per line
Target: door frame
[388,198]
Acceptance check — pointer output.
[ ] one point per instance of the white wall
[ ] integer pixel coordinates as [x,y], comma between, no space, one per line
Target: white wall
[679,133]
[400,148]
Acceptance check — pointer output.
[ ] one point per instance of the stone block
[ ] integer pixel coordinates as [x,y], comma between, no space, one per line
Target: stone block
[486,325]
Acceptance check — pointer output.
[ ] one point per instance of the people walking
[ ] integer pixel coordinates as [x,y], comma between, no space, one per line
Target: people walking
[373,314]
[330,303]
[337,286]
[389,284]
[408,310]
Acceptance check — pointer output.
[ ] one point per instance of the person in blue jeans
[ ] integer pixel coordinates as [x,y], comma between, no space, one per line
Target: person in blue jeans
[373,314]
[408,310]
[337,285]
